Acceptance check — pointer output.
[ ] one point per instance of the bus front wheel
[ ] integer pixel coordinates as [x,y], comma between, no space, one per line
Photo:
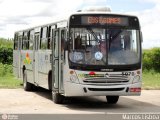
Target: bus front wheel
[112,99]
[57,98]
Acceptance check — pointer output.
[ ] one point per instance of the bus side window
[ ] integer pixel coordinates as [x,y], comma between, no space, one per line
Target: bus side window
[56,47]
[16,42]
[43,41]
[63,40]
[31,38]
[25,41]
[49,38]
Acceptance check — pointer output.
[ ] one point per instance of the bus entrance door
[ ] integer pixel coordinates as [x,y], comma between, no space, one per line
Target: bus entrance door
[35,59]
[57,79]
[55,60]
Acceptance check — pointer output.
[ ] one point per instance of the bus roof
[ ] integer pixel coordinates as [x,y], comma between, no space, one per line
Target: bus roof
[102,13]
[43,25]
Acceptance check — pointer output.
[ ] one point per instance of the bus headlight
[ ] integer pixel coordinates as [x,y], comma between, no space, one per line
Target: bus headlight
[136,79]
[74,79]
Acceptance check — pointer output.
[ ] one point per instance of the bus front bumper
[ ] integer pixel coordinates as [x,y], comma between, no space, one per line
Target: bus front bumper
[73,89]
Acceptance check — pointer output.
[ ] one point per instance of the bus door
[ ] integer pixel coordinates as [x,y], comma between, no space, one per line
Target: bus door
[35,56]
[62,39]
[57,79]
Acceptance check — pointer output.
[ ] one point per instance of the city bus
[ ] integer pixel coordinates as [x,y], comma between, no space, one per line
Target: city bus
[87,54]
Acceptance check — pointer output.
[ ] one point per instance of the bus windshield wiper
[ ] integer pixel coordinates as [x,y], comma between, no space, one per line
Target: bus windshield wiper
[93,33]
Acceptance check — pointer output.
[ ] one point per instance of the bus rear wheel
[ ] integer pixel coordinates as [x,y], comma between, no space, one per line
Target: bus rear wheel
[26,85]
[57,98]
[112,99]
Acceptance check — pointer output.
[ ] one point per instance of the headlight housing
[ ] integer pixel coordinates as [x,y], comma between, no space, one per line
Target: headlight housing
[73,77]
[136,79]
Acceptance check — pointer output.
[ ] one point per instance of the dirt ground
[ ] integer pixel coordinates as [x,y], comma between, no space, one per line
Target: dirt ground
[18,101]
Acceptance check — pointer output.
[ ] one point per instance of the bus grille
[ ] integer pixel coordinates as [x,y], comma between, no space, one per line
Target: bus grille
[109,79]
[106,89]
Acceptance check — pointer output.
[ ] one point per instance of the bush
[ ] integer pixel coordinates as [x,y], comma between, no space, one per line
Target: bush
[6,55]
[6,51]
[147,60]
[151,59]
[156,59]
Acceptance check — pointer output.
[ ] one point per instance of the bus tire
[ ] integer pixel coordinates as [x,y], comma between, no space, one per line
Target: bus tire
[57,98]
[112,99]
[26,85]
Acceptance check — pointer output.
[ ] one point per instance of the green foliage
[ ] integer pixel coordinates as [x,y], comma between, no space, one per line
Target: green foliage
[6,70]
[10,82]
[6,55]
[6,51]
[151,80]
[151,59]
[7,79]
[6,43]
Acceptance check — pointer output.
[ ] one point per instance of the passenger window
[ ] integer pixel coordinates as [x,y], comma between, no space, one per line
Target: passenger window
[16,42]
[56,47]
[25,41]
[63,39]
[31,39]
[49,38]
[43,42]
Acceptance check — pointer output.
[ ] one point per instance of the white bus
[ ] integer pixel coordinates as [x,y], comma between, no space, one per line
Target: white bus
[89,54]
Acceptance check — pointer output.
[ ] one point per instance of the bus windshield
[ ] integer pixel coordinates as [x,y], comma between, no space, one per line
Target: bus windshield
[101,46]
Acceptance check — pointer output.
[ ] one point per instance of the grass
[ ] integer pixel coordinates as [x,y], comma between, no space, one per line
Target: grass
[151,80]
[10,82]
[7,79]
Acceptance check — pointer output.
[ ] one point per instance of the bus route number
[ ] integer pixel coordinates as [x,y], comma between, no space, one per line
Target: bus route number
[126,73]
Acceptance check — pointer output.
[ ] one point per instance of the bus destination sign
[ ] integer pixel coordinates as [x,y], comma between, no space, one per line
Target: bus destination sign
[104,20]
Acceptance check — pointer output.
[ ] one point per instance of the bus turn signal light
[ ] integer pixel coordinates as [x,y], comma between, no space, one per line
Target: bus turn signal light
[135,89]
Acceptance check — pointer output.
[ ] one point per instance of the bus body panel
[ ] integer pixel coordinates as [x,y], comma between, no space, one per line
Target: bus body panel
[44,66]
[39,64]
[35,68]
[28,62]
[16,63]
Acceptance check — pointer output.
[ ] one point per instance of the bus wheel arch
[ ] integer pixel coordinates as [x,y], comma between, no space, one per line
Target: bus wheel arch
[26,85]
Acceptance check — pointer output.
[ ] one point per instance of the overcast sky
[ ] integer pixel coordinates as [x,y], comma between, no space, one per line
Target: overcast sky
[20,14]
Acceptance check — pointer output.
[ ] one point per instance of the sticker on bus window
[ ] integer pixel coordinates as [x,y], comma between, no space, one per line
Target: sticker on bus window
[98,56]
[77,56]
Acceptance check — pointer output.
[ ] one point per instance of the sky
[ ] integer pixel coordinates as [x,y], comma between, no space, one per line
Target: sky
[19,14]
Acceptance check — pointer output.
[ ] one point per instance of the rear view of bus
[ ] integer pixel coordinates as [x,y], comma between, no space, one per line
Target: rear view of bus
[104,56]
